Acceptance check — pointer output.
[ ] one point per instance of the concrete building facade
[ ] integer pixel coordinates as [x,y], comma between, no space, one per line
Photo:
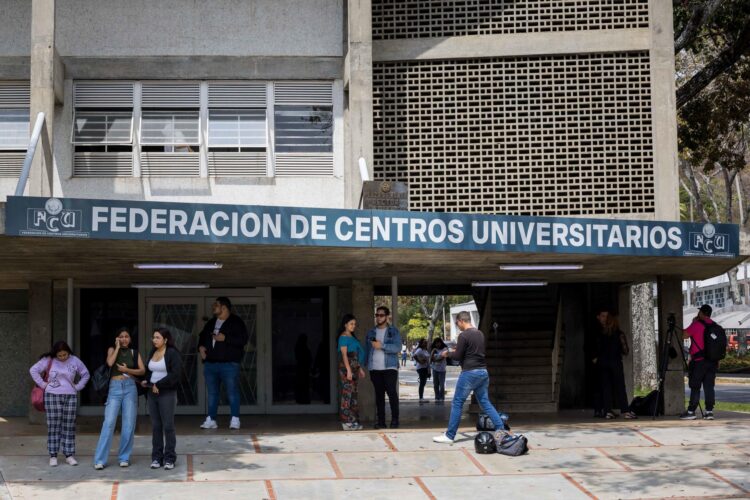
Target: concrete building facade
[546,108]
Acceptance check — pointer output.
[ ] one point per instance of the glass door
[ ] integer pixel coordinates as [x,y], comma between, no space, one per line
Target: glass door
[182,317]
[250,310]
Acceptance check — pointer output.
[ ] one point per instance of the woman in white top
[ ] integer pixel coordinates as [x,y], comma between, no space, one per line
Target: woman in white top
[164,369]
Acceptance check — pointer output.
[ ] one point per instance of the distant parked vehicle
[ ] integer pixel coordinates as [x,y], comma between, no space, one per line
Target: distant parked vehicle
[733,344]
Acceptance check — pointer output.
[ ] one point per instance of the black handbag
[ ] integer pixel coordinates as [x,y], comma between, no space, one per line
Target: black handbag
[100,380]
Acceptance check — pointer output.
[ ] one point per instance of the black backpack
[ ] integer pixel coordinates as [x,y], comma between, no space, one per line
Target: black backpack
[714,342]
[645,405]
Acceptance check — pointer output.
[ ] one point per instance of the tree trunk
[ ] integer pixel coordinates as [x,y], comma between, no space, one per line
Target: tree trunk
[432,317]
[742,342]
[644,336]
[734,286]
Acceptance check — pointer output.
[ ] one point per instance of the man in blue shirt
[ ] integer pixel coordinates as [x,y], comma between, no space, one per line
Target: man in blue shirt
[382,348]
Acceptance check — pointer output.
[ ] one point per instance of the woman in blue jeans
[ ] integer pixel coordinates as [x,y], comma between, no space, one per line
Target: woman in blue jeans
[125,364]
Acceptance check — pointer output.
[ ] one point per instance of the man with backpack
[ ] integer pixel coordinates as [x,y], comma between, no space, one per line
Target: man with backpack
[708,344]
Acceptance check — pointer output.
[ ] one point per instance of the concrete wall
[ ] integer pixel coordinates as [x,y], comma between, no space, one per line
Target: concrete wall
[113,28]
[573,375]
[15,28]
[14,366]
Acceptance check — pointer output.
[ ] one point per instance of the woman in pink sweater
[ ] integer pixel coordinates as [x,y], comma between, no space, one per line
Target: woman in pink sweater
[60,398]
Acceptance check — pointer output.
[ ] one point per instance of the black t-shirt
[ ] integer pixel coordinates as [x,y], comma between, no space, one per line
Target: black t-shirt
[470,350]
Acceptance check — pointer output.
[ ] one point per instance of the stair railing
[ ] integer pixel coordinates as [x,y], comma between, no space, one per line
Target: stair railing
[35,134]
[556,350]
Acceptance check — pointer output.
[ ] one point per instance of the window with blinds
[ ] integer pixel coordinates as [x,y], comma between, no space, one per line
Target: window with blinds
[103,129]
[237,129]
[303,128]
[218,128]
[14,127]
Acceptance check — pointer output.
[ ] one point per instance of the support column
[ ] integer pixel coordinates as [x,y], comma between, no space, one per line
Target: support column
[363,301]
[40,329]
[358,82]
[46,90]
[669,289]
[626,325]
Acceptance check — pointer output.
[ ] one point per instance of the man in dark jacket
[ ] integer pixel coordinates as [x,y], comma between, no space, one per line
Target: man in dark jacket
[221,345]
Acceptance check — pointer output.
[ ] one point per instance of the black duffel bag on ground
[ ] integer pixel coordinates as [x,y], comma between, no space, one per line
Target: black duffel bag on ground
[645,405]
[513,445]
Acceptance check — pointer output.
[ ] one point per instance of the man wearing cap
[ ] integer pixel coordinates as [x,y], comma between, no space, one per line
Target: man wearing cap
[701,371]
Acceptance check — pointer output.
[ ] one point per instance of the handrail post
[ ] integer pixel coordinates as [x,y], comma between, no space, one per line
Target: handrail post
[24,178]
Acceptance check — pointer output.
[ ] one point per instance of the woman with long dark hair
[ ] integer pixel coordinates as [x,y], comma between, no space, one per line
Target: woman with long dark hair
[60,368]
[422,357]
[351,360]
[439,363]
[612,346]
[125,363]
[163,373]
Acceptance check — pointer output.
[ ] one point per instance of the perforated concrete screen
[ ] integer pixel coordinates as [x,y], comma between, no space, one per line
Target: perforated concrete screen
[554,135]
[394,19]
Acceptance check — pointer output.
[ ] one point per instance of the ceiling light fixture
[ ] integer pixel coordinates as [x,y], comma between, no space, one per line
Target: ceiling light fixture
[509,283]
[178,265]
[541,267]
[170,285]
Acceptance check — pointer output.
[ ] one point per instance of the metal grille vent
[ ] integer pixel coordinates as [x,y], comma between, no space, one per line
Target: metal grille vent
[225,164]
[14,95]
[99,164]
[170,95]
[302,165]
[103,94]
[11,163]
[555,135]
[303,93]
[399,19]
[155,164]
[236,95]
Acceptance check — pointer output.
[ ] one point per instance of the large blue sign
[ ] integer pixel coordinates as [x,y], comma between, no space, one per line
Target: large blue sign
[259,225]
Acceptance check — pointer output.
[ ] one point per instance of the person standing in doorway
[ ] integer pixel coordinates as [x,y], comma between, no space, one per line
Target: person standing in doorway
[474,377]
[351,360]
[382,347]
[125,364]
[163,372]
[56,372]
[422,361]
[439,364]
[612,346]
[222,345]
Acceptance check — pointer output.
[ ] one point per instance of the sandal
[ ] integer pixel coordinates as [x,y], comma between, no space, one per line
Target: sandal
[630,415]
[610,416]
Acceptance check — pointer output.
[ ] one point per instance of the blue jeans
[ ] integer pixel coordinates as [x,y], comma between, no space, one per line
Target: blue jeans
[479,382]
[122,395]
[229,375]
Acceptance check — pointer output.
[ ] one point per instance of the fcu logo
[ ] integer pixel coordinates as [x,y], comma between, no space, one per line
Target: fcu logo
[53,218]
[709,241]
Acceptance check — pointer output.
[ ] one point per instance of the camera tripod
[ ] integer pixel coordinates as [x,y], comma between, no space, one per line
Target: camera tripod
[664,357]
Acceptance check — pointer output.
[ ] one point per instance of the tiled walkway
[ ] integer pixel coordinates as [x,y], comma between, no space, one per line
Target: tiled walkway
[603,460]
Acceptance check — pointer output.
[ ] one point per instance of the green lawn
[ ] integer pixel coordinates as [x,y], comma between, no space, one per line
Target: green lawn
[720,406]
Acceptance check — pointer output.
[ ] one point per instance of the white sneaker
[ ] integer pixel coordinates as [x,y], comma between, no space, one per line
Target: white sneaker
[98,466]
[209,423]
[235,423]
[124,463]
[442,438]
[71,460]
[53,461]
[155,464]
[168,466]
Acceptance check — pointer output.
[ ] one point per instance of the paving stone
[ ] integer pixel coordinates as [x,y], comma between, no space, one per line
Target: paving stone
[538,487]
[262,466]
[372,489]
[740,477]
[422,440]
[669,457]
[692,432]
[623,485]
[571,459]
[89,490]
[584,438]
[36,468]
[322,442]
[405,464]
[213,490]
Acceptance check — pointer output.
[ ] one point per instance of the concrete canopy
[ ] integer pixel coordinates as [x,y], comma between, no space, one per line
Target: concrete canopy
[110,263]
